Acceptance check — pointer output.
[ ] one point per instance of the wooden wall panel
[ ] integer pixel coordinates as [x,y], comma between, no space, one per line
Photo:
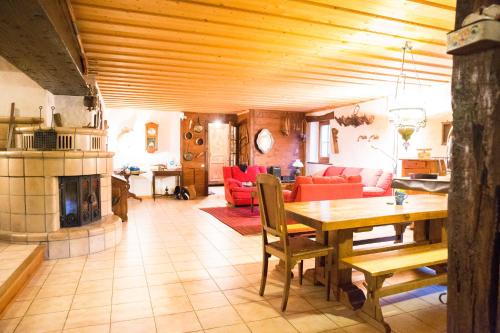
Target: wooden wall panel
[286,148]
[195,172]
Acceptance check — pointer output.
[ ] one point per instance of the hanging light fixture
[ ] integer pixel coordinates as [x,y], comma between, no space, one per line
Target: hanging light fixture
[406,112]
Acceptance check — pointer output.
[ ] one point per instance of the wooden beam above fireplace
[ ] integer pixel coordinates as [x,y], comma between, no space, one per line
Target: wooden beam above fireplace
[39,38]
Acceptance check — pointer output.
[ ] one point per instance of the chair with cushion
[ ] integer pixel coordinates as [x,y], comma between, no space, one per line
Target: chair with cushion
[290,250]
[236,194]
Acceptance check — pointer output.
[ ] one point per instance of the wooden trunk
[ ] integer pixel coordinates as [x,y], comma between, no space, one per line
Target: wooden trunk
[474,226]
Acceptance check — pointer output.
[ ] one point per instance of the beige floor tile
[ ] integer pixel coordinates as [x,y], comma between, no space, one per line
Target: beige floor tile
[223,271]
[50,304]
[199,274]
[94,286]
[88,317]
[90,300]
[342,316]
[129,282]
[243,295]
[406,302]
[256,311]
[239,328]
[177,323]
[294,304]
[201,286]
[272,325]
[28,293]
[217,317]
[434,316]
[131,295]
[405,323]
[208,300]
[9,325]
[171,305]
[162,278]
[360,328]
[42,323]
[143,325]
[167,290]
[129,311]
[57,290]
[311,321]
[15,310]
[232,282]
[88,329]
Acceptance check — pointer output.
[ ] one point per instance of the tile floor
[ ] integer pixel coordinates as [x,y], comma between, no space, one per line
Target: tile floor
[178,269]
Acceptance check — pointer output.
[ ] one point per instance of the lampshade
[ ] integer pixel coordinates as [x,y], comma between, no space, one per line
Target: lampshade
[297,164]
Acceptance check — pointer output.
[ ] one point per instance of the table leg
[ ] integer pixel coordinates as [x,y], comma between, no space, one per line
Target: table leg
[343,288]
[154,187]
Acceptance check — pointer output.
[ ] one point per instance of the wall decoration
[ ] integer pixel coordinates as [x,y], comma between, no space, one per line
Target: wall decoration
[285,125]
[198,128]
[335,140]
[188,136]
[151,137]
[354,119]
[264,141]
[445,131]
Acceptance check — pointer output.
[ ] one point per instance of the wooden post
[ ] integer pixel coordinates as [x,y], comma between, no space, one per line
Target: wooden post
[474,223]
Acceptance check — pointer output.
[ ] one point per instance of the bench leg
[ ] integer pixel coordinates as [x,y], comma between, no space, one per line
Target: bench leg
[371,310]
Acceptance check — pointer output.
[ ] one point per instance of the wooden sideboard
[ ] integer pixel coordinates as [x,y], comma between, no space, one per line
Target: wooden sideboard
[409,166]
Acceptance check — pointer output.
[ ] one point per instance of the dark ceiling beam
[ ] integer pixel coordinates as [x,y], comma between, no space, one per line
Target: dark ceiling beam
[40,39]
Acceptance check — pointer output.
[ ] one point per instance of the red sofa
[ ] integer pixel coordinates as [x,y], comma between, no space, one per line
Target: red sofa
[237,194]
[323,188]
[376,182]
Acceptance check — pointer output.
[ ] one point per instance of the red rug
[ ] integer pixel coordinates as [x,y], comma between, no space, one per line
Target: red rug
[240,219]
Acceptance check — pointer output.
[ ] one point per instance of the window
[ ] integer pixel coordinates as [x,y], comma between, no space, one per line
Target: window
[324,142]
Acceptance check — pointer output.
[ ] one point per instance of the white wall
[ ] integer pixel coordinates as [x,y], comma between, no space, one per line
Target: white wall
[126,137]
[361,154]
[17,87]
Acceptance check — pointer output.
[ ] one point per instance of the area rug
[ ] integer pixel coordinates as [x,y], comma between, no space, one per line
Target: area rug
[241,219]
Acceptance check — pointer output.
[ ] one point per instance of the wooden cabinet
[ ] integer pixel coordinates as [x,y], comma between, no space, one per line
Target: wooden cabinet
[410,166]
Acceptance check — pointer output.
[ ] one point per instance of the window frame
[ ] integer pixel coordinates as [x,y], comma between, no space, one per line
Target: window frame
[324,159]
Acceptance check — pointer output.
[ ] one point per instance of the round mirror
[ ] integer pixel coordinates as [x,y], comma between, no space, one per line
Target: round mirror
[199,141]
[188,135]
[264,141]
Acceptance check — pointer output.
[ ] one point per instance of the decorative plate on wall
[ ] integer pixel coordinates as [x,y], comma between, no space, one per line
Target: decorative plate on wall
[264,141]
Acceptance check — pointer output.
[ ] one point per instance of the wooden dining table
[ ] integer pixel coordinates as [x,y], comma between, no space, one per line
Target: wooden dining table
[336,221]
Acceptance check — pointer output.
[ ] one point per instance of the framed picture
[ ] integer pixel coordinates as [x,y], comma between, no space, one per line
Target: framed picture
[445,131]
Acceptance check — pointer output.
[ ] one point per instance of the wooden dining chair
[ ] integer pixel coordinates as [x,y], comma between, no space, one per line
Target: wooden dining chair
[291,250]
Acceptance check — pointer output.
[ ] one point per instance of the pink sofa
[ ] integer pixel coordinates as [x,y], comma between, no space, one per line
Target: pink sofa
[323,188]
[376,182]
[236,194]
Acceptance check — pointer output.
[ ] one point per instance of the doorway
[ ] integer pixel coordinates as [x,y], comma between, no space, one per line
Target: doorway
[219,151]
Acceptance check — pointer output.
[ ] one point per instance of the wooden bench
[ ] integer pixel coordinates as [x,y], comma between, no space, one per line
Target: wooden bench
[381,265]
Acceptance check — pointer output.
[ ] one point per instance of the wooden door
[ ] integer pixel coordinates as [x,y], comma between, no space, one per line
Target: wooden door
[218,151]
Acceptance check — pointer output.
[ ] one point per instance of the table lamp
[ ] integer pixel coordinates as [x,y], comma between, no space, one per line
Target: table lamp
[297,164]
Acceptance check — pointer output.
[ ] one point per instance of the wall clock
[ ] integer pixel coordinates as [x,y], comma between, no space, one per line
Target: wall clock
[264,141]
[151,137]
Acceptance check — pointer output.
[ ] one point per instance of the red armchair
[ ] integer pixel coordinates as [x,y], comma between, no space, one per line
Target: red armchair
[237,194]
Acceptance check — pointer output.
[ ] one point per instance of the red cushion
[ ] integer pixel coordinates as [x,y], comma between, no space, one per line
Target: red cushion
[370,176]
[333,171]
[321,180]
[354,179]
[351,171]
[385,180]
[373,191]
[337,180]
[303,180]
[243,189]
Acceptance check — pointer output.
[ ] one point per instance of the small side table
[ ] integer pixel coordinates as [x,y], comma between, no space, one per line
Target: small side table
[127,178]
[165,173]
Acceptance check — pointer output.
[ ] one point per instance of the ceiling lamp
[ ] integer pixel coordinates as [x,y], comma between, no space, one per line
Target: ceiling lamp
[406,112]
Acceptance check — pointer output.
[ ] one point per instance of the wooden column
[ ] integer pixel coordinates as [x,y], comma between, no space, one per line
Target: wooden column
[474,226]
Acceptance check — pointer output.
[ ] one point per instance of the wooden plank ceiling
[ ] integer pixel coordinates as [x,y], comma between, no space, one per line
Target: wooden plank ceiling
[231,55]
